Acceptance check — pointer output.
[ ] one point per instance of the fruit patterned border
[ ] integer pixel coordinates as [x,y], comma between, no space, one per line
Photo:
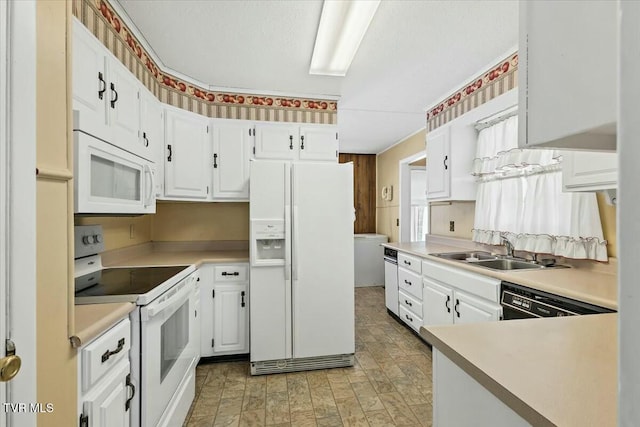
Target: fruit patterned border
[98,14]
[498,80]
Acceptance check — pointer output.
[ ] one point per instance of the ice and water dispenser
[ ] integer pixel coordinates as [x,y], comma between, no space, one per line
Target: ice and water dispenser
[268,240]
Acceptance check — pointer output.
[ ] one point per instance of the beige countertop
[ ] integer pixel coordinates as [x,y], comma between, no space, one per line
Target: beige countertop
[554,371]
[169,258]
[91,320]
[589,282]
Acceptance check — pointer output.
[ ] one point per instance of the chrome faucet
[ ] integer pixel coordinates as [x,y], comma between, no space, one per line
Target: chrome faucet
[508,245]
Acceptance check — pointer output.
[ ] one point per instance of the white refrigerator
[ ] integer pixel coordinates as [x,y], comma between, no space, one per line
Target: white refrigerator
[302,266]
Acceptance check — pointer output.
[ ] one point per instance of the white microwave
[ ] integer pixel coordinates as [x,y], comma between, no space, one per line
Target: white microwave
[110,180]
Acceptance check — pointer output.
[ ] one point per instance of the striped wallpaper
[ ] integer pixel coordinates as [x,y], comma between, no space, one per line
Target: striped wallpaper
[100,18]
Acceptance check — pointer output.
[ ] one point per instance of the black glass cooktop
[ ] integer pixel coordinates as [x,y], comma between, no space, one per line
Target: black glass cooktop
[123,281]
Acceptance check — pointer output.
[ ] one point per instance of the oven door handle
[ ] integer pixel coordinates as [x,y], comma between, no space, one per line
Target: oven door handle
[174,301]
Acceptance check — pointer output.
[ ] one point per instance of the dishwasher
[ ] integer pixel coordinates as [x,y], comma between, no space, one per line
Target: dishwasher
[391,280]
[521,302]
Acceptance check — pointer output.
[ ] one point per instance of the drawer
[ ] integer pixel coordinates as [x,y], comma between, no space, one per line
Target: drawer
[104,352]
[410,318]
[230,273]
[410,303]
[410,262]
[410,282]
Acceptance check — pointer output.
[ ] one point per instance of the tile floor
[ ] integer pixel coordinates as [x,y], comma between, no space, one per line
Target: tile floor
[390,383]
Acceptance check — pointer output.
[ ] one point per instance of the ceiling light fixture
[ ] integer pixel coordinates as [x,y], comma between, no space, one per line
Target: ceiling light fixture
[342,27]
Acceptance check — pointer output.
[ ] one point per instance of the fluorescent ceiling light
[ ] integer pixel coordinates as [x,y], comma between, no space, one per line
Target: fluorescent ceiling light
[342,26]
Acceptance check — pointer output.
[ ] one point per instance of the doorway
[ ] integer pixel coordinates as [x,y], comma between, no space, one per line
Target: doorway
[414,209]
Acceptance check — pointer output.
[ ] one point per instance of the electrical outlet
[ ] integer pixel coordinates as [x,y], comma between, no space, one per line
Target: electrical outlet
[452,226]
[132,231]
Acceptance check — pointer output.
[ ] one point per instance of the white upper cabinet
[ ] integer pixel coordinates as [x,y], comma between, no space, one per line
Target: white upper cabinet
[450,153]
[151,138]
[568,74]
[589,171]
[105,93]
[438,171]
[188,158]
[291,141]
[232,144]
[318,142]
[276,141]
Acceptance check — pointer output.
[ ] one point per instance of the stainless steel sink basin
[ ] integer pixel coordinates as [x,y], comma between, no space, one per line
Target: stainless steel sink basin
[463,256]
[507,264]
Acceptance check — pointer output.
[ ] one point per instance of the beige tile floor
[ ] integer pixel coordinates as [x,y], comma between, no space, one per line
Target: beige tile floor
[390,383]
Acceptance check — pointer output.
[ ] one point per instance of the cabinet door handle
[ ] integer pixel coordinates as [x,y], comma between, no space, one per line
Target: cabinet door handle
[408,303]
[115,92]
[127,404]
[456,307]
[215,160]
[407,282]
[302,140]
[410,319]
[103,86]
[145,139]
[445,162]
[242,304]
[446,304]
[107,354]
[170,154]
[290,142]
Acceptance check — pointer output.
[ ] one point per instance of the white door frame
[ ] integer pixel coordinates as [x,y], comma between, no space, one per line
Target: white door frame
[18,201]
[404,191]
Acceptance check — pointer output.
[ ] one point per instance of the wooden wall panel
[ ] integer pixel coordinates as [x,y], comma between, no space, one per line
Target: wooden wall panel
[364,190]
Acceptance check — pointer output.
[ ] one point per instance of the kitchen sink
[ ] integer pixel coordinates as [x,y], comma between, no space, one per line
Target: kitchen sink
[508,264]
[463,256]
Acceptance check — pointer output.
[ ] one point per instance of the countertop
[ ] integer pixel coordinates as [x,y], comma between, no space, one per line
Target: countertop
[553,371]
[584,283]
[91,320]
[169,258]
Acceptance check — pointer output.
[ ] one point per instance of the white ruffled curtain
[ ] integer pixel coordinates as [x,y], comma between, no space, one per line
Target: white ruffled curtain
[520,197]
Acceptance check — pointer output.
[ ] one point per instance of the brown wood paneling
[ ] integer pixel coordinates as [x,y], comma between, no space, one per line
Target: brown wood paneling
[364,190]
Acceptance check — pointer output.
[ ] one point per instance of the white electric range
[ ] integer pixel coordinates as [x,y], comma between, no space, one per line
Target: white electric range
[165,343]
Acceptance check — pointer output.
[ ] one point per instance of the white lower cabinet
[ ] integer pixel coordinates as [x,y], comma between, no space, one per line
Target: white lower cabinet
[224,309]
[104,387]
[410,290]
[452,295]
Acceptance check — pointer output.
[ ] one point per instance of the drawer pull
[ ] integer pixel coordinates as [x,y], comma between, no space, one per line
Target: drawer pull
[407,262]
[235,273]
[107,354]
[127,404]
[407,282]
[410,319]
[446,304]
[408,303]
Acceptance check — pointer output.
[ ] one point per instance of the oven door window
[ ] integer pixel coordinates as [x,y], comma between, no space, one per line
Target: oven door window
[114,180]
[174,337]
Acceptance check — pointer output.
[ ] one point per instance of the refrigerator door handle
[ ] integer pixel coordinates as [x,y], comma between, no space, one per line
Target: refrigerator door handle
[287,251]
[294,240]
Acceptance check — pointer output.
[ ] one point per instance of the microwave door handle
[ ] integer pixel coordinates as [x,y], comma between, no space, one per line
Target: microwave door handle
[152,185]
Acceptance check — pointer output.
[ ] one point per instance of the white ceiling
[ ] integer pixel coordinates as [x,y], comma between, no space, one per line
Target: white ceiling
[414,53]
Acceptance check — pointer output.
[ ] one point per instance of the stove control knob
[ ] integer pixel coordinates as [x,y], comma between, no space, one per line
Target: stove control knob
[97,238]
[88,240]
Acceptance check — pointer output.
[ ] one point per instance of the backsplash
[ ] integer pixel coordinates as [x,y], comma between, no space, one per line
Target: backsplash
[102,20]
